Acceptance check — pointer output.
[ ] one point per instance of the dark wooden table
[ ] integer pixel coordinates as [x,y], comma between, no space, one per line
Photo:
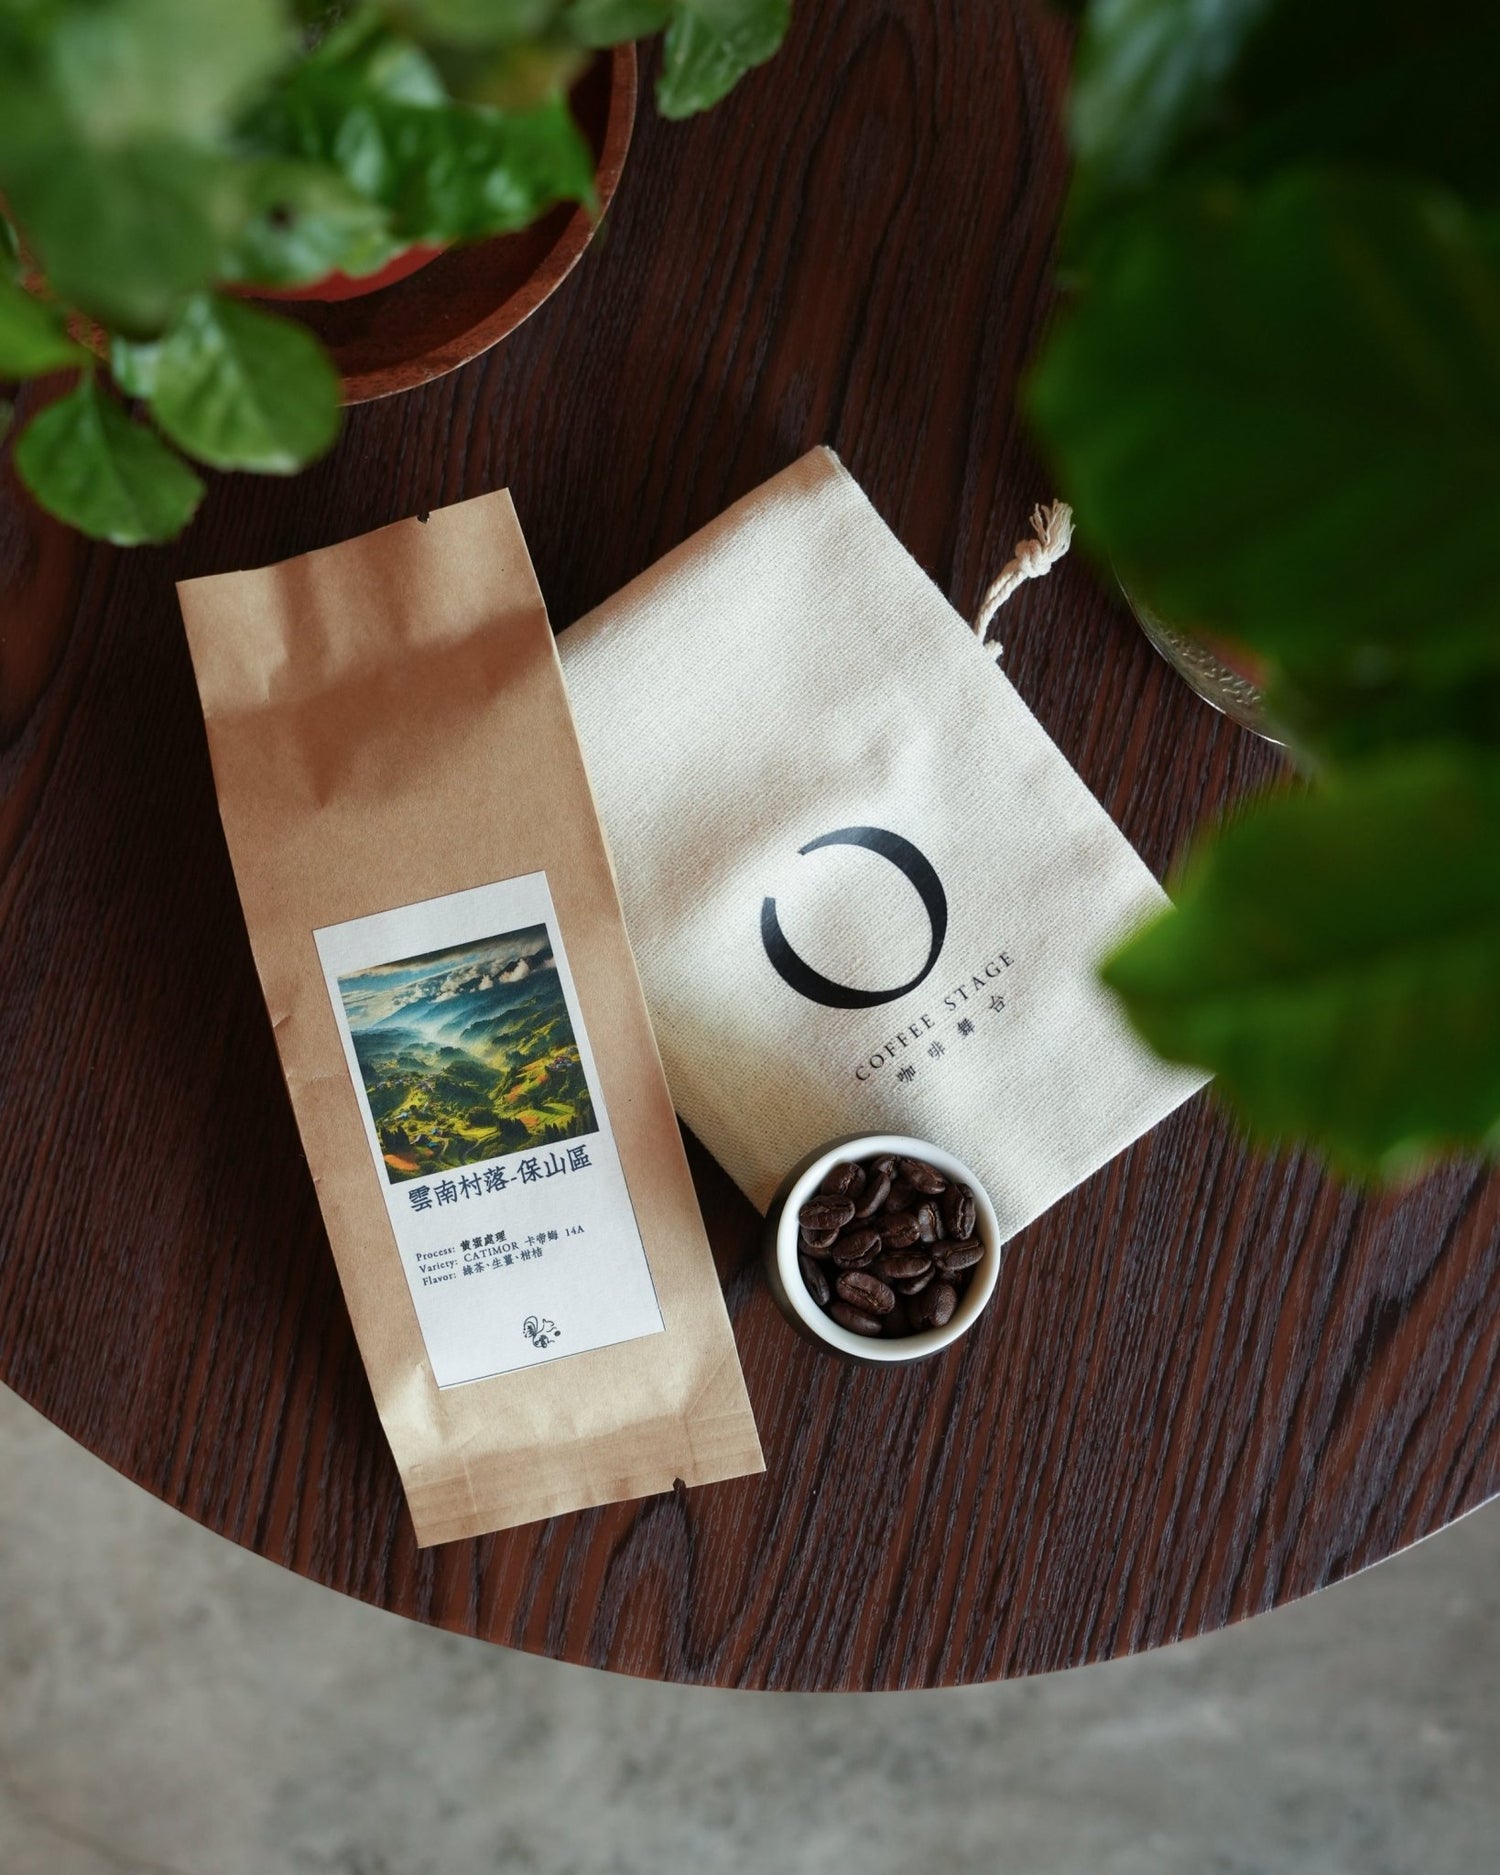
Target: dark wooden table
[1210,1383]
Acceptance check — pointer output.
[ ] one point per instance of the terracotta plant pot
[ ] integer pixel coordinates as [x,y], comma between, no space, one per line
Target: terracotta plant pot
[390,334]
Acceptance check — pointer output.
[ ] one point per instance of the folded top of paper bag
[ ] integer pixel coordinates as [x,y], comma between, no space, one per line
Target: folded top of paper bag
[866,891]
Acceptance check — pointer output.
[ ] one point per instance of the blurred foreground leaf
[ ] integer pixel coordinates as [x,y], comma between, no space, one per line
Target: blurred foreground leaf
[1334,958]
[1338,713]
[112,117]
[1147,75]
[608,22]
[1278,414]
[1243,88]
[32,339]
[477,22]
[125,234]
[124,69]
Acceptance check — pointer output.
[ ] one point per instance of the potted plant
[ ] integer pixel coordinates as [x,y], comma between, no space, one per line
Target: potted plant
[1273,396]
[163,160]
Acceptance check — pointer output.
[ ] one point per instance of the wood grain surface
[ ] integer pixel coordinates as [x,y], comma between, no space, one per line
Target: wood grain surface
[1209,1382]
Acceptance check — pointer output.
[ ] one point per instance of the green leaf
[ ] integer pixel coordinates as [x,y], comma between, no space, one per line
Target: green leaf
[33,118]
[133,364]
[88,463]
[478,22]
[125,69]
[612,22]
[446,172]
[111,117]
[32,339]
[10,251]
[1146,73]
[1370,82]
[318,18]
[1243,88]
[304,221]
[241,389]
[510,77]
[126,235]
[1279,416]
[711,44]
[387,67]
[1334,958]
[1341,712]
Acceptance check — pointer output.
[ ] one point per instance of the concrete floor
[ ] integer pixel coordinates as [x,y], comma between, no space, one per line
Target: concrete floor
[172,1706]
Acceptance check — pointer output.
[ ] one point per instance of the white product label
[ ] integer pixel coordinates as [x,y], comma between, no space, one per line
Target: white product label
[481,1103]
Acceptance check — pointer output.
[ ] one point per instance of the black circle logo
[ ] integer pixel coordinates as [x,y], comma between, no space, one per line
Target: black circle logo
[811,983]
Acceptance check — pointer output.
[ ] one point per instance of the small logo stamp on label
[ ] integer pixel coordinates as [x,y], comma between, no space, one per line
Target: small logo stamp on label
[540,1332]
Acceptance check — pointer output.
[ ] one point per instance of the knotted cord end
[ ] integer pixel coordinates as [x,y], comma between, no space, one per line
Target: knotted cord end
[1052,525]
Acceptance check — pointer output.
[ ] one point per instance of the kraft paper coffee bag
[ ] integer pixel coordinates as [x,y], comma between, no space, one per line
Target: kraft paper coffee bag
[459,1018]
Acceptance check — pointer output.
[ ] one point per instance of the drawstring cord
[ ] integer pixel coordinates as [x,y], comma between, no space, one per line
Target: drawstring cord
[1052,524]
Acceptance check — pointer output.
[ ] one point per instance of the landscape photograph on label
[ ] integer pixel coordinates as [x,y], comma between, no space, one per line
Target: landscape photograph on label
[467,1053]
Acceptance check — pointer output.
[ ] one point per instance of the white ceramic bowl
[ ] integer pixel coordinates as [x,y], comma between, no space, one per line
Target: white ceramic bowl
[786,1278]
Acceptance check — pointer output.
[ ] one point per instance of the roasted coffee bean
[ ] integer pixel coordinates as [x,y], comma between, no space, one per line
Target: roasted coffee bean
[817,1282]
[823,1213]
[863,1291]
[924,1176]
[899,1229]
[952,1257]
[905,1263]
[839,1180]
[856,1248]
[934,1307]
[817,1243]
[855,1320]
[901,1241]
[877,1190]
[958,1211]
